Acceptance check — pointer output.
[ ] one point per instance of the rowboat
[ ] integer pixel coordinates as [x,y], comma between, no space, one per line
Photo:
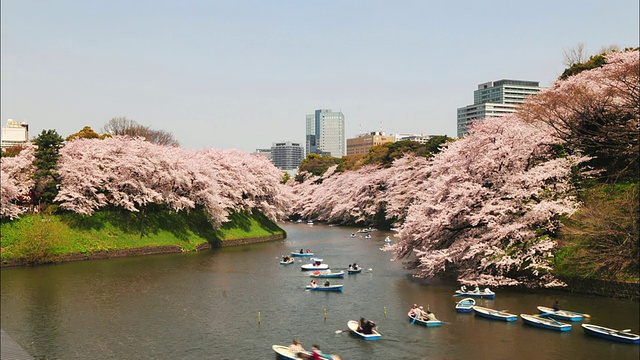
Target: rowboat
[611,334]
[301,254]
[283,352]
[494,314]
[339,274]
[314,259]
[428,323]
[314,266]
[353,326]
[287,262]
[484,294]
[465,305]
[325,288]
[560,314]
[544,322]
[354,271]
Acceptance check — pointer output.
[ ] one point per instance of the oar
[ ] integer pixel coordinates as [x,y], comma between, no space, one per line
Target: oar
[341,331]
[550,318]
[414,319]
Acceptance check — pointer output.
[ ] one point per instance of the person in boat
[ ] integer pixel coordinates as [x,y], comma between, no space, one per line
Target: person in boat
[355,266]
[317,263]
[315,352]
[487,291]
[308,251]
[313,283]
[463,289]
[419,313]
[301,251]
[297,349]
[327,283]
[366,326]
[317,272]
[477,289]
[412,312]
[350,267]
[556,306]
[430,316]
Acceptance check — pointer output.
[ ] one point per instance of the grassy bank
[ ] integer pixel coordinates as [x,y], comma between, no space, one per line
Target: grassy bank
[40,238]
[601,240]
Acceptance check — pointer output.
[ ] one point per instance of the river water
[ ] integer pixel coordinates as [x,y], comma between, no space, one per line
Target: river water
[235,303]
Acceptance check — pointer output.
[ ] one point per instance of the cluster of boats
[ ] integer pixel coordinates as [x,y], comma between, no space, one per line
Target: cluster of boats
[320,270]
[547,318]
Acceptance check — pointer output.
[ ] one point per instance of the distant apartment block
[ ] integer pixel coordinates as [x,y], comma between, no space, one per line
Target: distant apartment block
[15,133]
[421,138]
[363,142]
[495,99]
[264,152]
[325,133]
[287,155]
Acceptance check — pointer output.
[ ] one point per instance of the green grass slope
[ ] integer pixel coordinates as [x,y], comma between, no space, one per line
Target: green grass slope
[39,238]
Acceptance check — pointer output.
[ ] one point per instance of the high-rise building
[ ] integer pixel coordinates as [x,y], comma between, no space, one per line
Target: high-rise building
[325,133]
[495,99]
[287,155]
[363,142]
[15,133]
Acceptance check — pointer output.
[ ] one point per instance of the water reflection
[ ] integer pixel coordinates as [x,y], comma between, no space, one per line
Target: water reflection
[206,305]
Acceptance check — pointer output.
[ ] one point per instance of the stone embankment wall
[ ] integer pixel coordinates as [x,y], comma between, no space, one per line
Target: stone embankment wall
[615,289]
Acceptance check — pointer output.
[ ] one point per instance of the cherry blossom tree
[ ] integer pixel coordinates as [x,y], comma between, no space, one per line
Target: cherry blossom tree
[16,174]
[132,173]
[596,112]
[493,201]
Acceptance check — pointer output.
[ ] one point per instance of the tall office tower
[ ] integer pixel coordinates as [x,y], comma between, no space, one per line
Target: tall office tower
[287,155]
[495,99]
[325,133]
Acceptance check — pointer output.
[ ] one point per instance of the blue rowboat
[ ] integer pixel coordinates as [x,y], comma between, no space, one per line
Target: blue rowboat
[544,322]
[560,314]
[354,271]
[329,274]
[301,254]
[288,262]
[428,323]
[465,305]
[284,353]
[494,314]
[353,326]
[484,294]
[611,334]
[325,288]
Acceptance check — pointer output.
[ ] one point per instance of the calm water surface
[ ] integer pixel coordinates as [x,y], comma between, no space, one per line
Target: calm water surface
[235,303]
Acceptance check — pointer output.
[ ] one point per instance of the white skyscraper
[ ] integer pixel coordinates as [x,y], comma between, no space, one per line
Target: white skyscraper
[325,133]
[495,99]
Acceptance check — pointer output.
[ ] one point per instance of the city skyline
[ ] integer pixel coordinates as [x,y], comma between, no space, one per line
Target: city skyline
[242,74]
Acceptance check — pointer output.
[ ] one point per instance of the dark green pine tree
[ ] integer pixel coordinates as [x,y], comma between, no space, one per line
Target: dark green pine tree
[48,145]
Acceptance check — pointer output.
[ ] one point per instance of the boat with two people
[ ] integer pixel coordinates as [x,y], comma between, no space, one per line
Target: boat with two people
[286,260]
[354,269]
[315,265]
[302,253]
[418,316]
[285,353]
[476,293]
[325,287]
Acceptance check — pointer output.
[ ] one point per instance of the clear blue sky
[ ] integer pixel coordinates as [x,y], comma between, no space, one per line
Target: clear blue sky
[243,74]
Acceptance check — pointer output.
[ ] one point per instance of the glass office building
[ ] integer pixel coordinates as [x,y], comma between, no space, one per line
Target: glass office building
[495,99]
[325,133]
[287,155]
